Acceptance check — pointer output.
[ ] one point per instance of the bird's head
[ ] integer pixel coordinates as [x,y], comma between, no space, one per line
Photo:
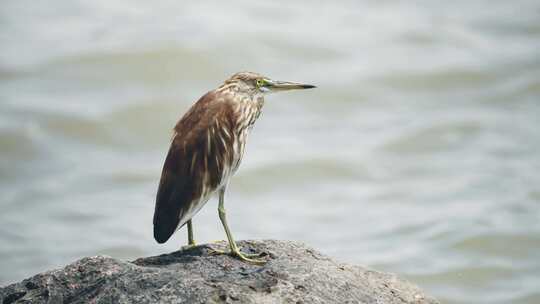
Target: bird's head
[253,83]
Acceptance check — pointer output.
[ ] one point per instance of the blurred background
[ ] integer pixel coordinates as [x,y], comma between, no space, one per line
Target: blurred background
[418,154]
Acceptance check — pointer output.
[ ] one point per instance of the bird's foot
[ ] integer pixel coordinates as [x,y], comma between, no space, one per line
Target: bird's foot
[189,245]
[253,255]
[212,251]
[246,257]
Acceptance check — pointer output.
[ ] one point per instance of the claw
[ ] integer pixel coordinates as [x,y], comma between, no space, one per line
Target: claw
[252,255]
[212,251]
[245,258]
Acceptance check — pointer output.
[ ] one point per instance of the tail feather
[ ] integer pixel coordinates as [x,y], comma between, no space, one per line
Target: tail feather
[168,209]
[165,225]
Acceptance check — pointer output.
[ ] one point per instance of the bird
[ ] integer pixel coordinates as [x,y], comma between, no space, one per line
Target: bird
[206,150]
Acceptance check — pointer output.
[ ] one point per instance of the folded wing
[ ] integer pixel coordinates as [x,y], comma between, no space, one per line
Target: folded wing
[198,161]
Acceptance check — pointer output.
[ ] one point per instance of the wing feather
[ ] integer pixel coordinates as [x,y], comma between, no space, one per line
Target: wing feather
[195,164]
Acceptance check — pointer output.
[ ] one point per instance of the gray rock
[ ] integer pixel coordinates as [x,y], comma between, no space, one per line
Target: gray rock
[294,274]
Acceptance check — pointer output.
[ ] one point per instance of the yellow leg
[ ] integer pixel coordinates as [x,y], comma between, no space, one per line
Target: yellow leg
[234,249]
[191,241]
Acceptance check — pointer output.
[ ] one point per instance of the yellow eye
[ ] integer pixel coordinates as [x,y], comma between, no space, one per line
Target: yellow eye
[260,82]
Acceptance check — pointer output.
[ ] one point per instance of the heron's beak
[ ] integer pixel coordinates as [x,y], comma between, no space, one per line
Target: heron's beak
[276,86]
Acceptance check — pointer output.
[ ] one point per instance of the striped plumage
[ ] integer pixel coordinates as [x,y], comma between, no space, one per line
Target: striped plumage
[207,148]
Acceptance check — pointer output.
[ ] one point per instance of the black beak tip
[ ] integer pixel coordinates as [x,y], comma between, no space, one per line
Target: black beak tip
[308,86]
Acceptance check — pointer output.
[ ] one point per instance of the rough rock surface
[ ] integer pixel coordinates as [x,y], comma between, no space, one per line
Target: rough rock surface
[294,273]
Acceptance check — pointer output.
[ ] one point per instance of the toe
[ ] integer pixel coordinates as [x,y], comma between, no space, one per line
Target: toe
[245,258]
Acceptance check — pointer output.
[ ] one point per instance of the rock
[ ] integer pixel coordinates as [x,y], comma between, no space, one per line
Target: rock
[294,273]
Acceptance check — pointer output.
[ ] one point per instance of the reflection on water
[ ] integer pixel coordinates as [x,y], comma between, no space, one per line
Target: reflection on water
[417,154]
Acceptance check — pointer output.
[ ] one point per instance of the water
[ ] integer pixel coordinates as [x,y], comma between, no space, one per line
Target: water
[418,154]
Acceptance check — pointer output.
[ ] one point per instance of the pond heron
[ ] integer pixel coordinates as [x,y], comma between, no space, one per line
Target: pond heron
[206,149]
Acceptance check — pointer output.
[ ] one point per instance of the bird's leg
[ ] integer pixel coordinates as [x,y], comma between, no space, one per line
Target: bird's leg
[191,241]
[234,249]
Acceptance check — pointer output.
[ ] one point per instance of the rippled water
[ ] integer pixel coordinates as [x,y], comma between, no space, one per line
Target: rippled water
[418,154]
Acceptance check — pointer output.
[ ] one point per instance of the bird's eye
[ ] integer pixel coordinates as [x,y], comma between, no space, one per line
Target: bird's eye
[260,82]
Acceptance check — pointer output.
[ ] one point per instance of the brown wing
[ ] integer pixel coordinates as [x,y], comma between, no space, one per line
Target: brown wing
[194,167]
